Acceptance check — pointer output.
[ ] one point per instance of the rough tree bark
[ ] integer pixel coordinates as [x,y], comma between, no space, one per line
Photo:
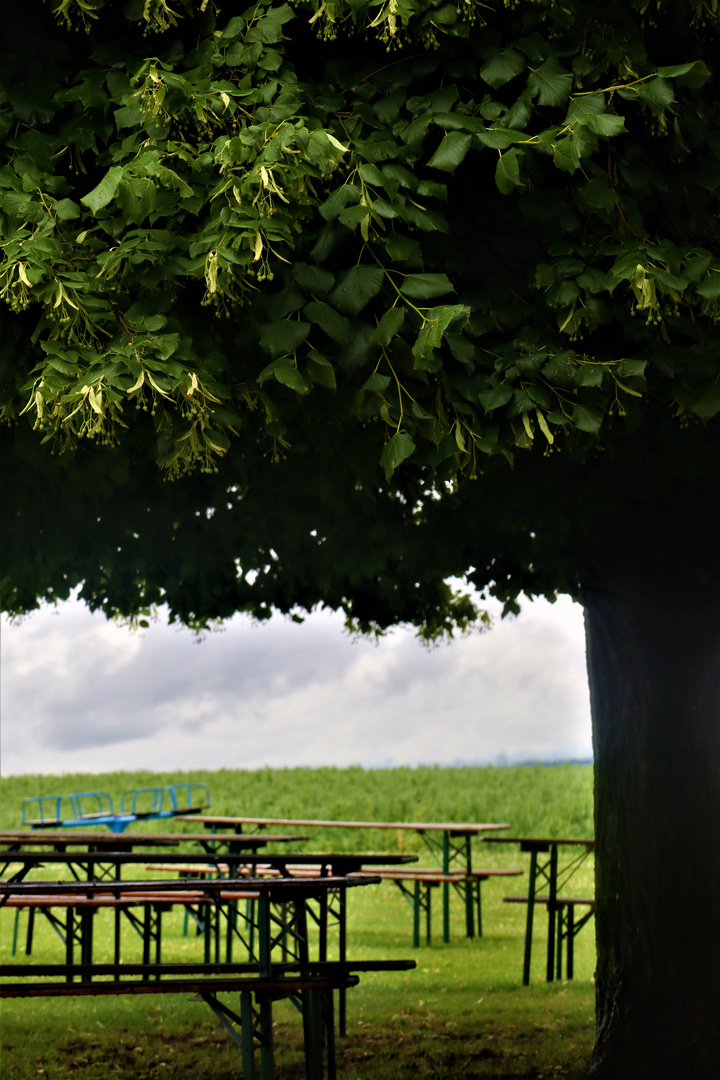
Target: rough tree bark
[652,611]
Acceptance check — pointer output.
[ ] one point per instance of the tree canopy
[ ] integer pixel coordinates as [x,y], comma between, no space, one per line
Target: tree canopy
[404,267]
[330,302]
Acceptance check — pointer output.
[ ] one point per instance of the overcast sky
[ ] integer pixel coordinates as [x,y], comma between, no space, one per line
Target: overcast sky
[83,694]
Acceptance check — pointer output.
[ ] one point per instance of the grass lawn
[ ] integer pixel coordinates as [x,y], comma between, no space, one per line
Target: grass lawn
[463,1012]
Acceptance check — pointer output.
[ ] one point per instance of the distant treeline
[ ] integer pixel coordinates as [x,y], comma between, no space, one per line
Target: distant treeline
[534,799]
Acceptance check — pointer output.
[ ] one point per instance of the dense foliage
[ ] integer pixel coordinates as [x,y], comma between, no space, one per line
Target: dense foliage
[337,239]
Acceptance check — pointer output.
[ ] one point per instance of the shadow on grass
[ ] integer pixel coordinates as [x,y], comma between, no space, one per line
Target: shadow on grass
[497,1041]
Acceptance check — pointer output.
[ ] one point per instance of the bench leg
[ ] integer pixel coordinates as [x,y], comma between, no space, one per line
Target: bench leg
[570,939]
[248,1034]
[529,921]
[118,924]
[478,886]
[416,916]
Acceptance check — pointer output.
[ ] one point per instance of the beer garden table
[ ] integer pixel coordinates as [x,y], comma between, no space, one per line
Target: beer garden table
[292,936]
[550,875]
[100,844]
[342,866]
[451,841]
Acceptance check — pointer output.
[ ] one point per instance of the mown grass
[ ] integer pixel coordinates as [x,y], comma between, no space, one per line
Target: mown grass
[463,1012]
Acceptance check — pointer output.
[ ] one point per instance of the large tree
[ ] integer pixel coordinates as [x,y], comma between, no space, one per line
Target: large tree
[331,302]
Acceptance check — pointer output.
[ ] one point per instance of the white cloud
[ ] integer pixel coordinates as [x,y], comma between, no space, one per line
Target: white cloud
[82,694]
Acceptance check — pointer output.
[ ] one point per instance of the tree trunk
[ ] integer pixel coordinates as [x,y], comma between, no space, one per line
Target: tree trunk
[652,613]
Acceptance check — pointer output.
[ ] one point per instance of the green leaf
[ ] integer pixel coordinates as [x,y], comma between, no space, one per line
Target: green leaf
[587,419]
[495,398]
[606,124]
[500,138]
[375,383]
[708,404]
[693,74]
[67,210]
[432,332]
[590,375]
[457,121]
[507,171]
[389,326]
[286,373]
[565,154]
[502,67]
[451,151]
[337,201]
[551,83]
[396,450]
[402,249]
[283,337]
[320,370]
[104,193]
[710,287]
[628,367]
[425,286]
[657,94]
[354,215]
[372,175]
[335,325]
[356,287]
[313,279]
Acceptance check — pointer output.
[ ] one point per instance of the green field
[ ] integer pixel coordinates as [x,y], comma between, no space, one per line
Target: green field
[463,1012]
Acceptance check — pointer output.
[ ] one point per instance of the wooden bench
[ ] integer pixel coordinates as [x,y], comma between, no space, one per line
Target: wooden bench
[252,1028]
[80,910]
[312,989]
[567,925]
[259,978]
[417,883]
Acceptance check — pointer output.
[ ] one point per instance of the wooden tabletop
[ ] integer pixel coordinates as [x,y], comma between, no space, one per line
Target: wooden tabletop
[117,841]
[468,828]
[341,862]
[540,841]
[10,838]
[176,887]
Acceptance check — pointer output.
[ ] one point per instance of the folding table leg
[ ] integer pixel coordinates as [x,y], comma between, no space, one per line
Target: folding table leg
[552,909]
[469,911]
[265,1033]
[416,916]
[342,956]
[248,1034]
[69,938]
[313,1032]
[30,930]
[446,888]
[570,939]
[428,912]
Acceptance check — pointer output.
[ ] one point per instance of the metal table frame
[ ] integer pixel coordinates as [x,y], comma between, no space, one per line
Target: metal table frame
[453,846]
[547,875]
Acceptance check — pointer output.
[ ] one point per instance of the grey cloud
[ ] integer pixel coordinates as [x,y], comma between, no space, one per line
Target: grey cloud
[76,687]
